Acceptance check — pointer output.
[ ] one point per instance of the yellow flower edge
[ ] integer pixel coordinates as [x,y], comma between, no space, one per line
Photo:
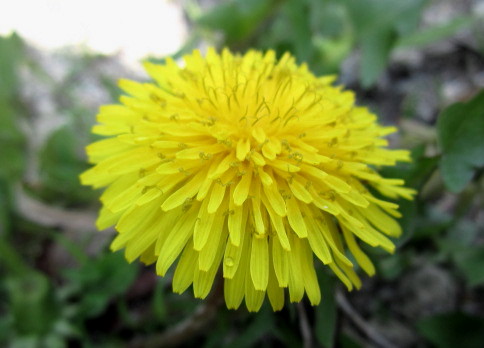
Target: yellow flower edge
[248,164]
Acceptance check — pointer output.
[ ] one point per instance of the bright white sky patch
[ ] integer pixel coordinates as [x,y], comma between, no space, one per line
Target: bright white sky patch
[132,28]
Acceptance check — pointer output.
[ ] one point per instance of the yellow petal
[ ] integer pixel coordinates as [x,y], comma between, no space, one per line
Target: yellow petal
[216,197]
[259,262]
[295,218]
[308,272]
[274,291]
[107,218]
[233,255]
[218,235]
[234,289]
[125,199]
[203,227]
[359,255]
[300,192]
[382,221]
[315,238]
[243,148]
[325,226]
[277,224]
[183,276]
[256,209]
[176,241]
[275,199]
[253,298]
[237,220]
[184,193]
[203,279]
[296,282]
[242,189]
[280,260]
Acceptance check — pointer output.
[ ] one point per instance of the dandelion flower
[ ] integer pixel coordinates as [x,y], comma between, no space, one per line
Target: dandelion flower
[249,165]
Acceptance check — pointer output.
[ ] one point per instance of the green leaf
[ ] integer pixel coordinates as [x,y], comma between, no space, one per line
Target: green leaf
[11,138]
[218,332]
[376,48]
[11,54]
[328,18]
[408,221]
[297,13]
[61,163]
[26,342]
[11,144]
[391,267]
[32,303]
[261,325]
[470,261]
[432,223]
[332,35]
[347,341]
[378,24]
[326,312]
[453,330]
[100,280]
[370,15]
[53,341]
[4,210]
[236,18]
[436,33]
[6,327]
[414,172]
[460,133]
[159,303]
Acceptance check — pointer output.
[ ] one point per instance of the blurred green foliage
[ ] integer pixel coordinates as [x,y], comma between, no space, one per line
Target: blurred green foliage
[11,138]
[60,165]
[101,301]
[324,33]
[460,129]
[452,330]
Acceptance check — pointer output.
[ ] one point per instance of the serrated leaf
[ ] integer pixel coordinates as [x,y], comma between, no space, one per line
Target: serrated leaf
[461,137]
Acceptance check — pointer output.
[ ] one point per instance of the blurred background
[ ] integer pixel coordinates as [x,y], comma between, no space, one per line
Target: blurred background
[418,64]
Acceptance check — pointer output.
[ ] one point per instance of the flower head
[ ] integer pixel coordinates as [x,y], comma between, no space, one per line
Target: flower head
[247,164]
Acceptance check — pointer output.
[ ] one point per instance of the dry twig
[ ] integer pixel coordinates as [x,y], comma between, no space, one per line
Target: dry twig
[304,326]
[189,327]
[361,323]
[50,216]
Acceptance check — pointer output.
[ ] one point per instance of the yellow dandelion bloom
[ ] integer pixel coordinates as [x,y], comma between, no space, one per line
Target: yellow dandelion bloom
[247,164]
